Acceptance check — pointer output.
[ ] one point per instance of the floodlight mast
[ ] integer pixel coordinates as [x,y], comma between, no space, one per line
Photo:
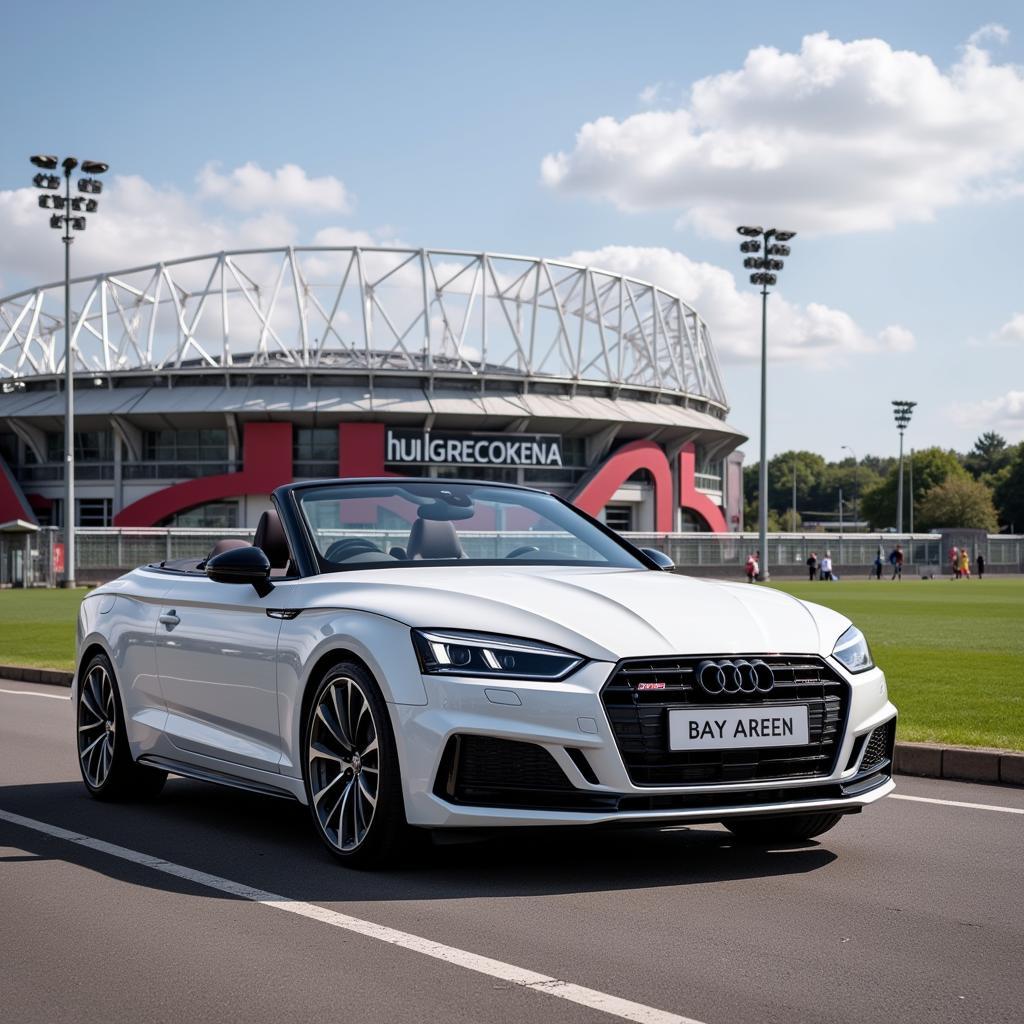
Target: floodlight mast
[765,265]
[69,223]
[902,411]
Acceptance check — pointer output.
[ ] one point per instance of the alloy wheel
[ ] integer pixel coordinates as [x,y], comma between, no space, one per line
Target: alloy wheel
[344,763]
[97,726]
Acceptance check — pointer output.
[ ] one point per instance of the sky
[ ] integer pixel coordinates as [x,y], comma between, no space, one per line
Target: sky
[635,138]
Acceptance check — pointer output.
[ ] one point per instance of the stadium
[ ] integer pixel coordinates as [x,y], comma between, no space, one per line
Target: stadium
[203,383]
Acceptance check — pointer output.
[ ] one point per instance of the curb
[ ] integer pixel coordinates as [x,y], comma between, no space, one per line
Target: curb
[965,764]
[24,674]
[925,760]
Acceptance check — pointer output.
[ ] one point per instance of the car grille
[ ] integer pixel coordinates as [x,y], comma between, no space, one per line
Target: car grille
[637,706]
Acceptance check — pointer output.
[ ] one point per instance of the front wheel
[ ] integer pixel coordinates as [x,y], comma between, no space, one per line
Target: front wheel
[784,828]
[104,756]
[353,784]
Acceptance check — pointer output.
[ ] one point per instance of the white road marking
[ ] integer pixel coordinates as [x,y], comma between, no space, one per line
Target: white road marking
[34,693]
[956,803]
[624,1009]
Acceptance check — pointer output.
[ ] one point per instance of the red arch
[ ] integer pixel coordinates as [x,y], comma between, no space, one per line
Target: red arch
[618,468]
[691,498]
[267,463]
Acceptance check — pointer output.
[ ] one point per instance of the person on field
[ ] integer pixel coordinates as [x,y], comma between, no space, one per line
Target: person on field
[877,566]
[826,566]
[752,567]
[980,563]
[965,564]
[954,561]
[812,566]
[896,561]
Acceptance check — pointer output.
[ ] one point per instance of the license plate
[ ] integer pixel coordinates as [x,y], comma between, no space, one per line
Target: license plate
[731,728]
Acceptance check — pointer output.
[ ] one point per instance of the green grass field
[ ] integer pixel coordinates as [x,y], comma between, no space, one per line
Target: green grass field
[953,652]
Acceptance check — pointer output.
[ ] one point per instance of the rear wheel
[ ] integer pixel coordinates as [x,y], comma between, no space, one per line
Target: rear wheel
[104,756]
[785,828]
[353,784]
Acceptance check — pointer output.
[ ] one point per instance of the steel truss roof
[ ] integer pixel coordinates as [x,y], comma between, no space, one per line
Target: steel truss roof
[367,309]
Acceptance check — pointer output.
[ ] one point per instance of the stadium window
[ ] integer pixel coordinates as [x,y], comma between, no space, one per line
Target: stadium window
[201,445]
[315,451]
[94,511]
[619,517]
[90,446]
[216,515]
[9,448]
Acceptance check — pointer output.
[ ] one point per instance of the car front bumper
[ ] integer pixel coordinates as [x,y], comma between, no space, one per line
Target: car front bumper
[570,716]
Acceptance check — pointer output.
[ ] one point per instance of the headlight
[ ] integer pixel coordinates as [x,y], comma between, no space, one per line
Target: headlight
[852,650]
[454,653]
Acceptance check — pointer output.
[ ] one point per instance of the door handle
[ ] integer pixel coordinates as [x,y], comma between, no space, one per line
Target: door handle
[170,619]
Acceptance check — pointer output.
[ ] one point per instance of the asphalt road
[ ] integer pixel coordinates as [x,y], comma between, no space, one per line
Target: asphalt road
[913,911]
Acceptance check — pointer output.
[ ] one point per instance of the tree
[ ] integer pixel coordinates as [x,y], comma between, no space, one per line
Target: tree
[1010,491]
[958,502]
[932,466]
[989,455]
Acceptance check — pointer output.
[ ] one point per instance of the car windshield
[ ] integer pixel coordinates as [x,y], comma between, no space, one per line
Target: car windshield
[370,525]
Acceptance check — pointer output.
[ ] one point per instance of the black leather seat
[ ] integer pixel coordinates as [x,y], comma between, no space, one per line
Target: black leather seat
[434,538]
[271,540]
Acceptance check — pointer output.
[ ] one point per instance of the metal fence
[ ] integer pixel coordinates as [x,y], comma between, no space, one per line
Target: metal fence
[29,559]
[791,550]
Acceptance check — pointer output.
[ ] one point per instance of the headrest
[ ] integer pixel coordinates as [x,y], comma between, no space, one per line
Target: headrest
[227,544]
[271,540]
[434,538]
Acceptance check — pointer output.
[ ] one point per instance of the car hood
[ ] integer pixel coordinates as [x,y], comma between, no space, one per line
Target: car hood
[606,614]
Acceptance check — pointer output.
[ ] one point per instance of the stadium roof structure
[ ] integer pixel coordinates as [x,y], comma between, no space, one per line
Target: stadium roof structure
[384,312]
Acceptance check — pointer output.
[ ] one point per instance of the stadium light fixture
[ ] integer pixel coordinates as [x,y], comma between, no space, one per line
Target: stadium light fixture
[765,268]
[901,411]
[69,224]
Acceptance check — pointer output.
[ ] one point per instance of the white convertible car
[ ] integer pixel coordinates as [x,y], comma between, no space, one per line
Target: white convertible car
[405,655]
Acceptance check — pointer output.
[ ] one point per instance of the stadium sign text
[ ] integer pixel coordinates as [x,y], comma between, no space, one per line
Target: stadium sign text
[412,446]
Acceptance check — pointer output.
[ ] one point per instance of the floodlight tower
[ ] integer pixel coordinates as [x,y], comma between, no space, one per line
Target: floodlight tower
[902,411]
[69,218]
[766,267]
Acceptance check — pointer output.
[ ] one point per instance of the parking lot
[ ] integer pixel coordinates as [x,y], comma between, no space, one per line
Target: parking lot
[217,904]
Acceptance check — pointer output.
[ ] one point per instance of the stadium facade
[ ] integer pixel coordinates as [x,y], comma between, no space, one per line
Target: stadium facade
[202,384]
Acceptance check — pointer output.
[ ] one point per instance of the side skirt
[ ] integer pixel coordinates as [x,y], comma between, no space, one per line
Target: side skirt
[209,775]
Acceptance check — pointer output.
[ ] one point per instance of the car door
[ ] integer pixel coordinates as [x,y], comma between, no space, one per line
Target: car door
[216,651]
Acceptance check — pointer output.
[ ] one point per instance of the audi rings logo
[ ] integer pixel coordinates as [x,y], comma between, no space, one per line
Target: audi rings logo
[740,676]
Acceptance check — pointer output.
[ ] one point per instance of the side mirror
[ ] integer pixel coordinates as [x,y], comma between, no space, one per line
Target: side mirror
[242,565]
[659,558]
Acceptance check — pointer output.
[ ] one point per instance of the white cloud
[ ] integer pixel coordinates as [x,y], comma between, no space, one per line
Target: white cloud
[838,137]
[1004,413]
[250,187]
[991,31]
[650,94]
[139,223]
[815,334]
[1012,331]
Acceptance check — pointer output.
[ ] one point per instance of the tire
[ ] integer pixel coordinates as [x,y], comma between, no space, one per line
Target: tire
[785,828]
[104,755]
[351,771]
